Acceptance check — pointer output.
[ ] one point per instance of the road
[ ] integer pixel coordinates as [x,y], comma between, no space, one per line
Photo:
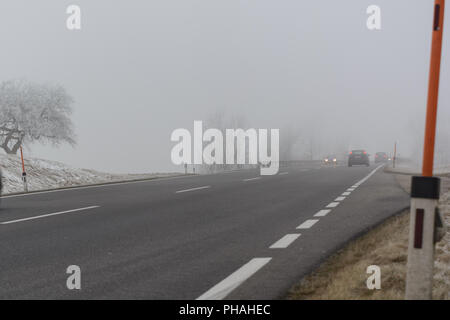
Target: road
[233,235]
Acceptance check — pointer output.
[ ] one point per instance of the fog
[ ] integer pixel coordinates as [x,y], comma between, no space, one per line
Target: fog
[138,70]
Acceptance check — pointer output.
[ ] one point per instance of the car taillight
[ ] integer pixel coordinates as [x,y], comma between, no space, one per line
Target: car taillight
[365,152]
[350,152]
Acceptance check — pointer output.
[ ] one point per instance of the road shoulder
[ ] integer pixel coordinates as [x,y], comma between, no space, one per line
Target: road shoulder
[344,276]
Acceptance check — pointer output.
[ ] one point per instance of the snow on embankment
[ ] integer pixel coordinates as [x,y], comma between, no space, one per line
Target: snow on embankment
[47,174]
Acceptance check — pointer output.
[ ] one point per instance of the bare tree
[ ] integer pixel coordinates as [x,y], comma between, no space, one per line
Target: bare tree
[31,112]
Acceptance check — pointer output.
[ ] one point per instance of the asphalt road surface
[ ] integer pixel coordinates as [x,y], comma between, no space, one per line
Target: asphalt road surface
[234,235]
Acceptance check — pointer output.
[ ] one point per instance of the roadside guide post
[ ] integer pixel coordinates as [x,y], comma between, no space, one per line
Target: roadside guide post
[24,174]
[395,154]
[425,189]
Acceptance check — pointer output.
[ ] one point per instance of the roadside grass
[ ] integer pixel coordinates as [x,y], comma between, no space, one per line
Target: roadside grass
[343,275]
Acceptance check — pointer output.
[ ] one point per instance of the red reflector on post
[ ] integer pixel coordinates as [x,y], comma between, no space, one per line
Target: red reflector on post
[418,229]
[437,12]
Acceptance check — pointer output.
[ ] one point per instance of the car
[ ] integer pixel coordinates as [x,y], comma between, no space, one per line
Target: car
[330,159]
[358,157]
[381,157]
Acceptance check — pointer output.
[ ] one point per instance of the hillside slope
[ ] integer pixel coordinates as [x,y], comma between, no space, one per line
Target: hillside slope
[46,174]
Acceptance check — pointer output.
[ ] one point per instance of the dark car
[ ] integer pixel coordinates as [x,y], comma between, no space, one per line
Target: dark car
[381,157]
[358,157]
[330,159]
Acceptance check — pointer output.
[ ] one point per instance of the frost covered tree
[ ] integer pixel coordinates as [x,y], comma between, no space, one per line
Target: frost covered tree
[31,112]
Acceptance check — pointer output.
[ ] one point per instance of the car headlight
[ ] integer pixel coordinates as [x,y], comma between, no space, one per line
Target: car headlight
[334,160]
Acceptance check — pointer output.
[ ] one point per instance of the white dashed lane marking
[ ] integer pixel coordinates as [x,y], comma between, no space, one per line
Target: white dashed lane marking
[333,205]
[251,179]
[193,189]
[285,241]
[224,287]
[322,213]
[49,215]
[308,224]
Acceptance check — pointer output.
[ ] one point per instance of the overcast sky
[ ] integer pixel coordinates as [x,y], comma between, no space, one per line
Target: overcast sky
[140,69]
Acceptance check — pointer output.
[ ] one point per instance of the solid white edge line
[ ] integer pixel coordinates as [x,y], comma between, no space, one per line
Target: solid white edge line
[234,280]
[322,213]
[48,215]
[308,224]
[285,241]
[113,184]
[192,189]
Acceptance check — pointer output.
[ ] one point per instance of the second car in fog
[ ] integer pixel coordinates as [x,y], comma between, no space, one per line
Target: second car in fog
[381,157]
[358,157]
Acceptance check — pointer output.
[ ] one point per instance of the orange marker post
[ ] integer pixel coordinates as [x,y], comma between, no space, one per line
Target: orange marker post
[24,174]
[21,157]
[433,89]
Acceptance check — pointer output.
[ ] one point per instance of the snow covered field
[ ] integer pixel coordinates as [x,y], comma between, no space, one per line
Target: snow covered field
[47,174]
